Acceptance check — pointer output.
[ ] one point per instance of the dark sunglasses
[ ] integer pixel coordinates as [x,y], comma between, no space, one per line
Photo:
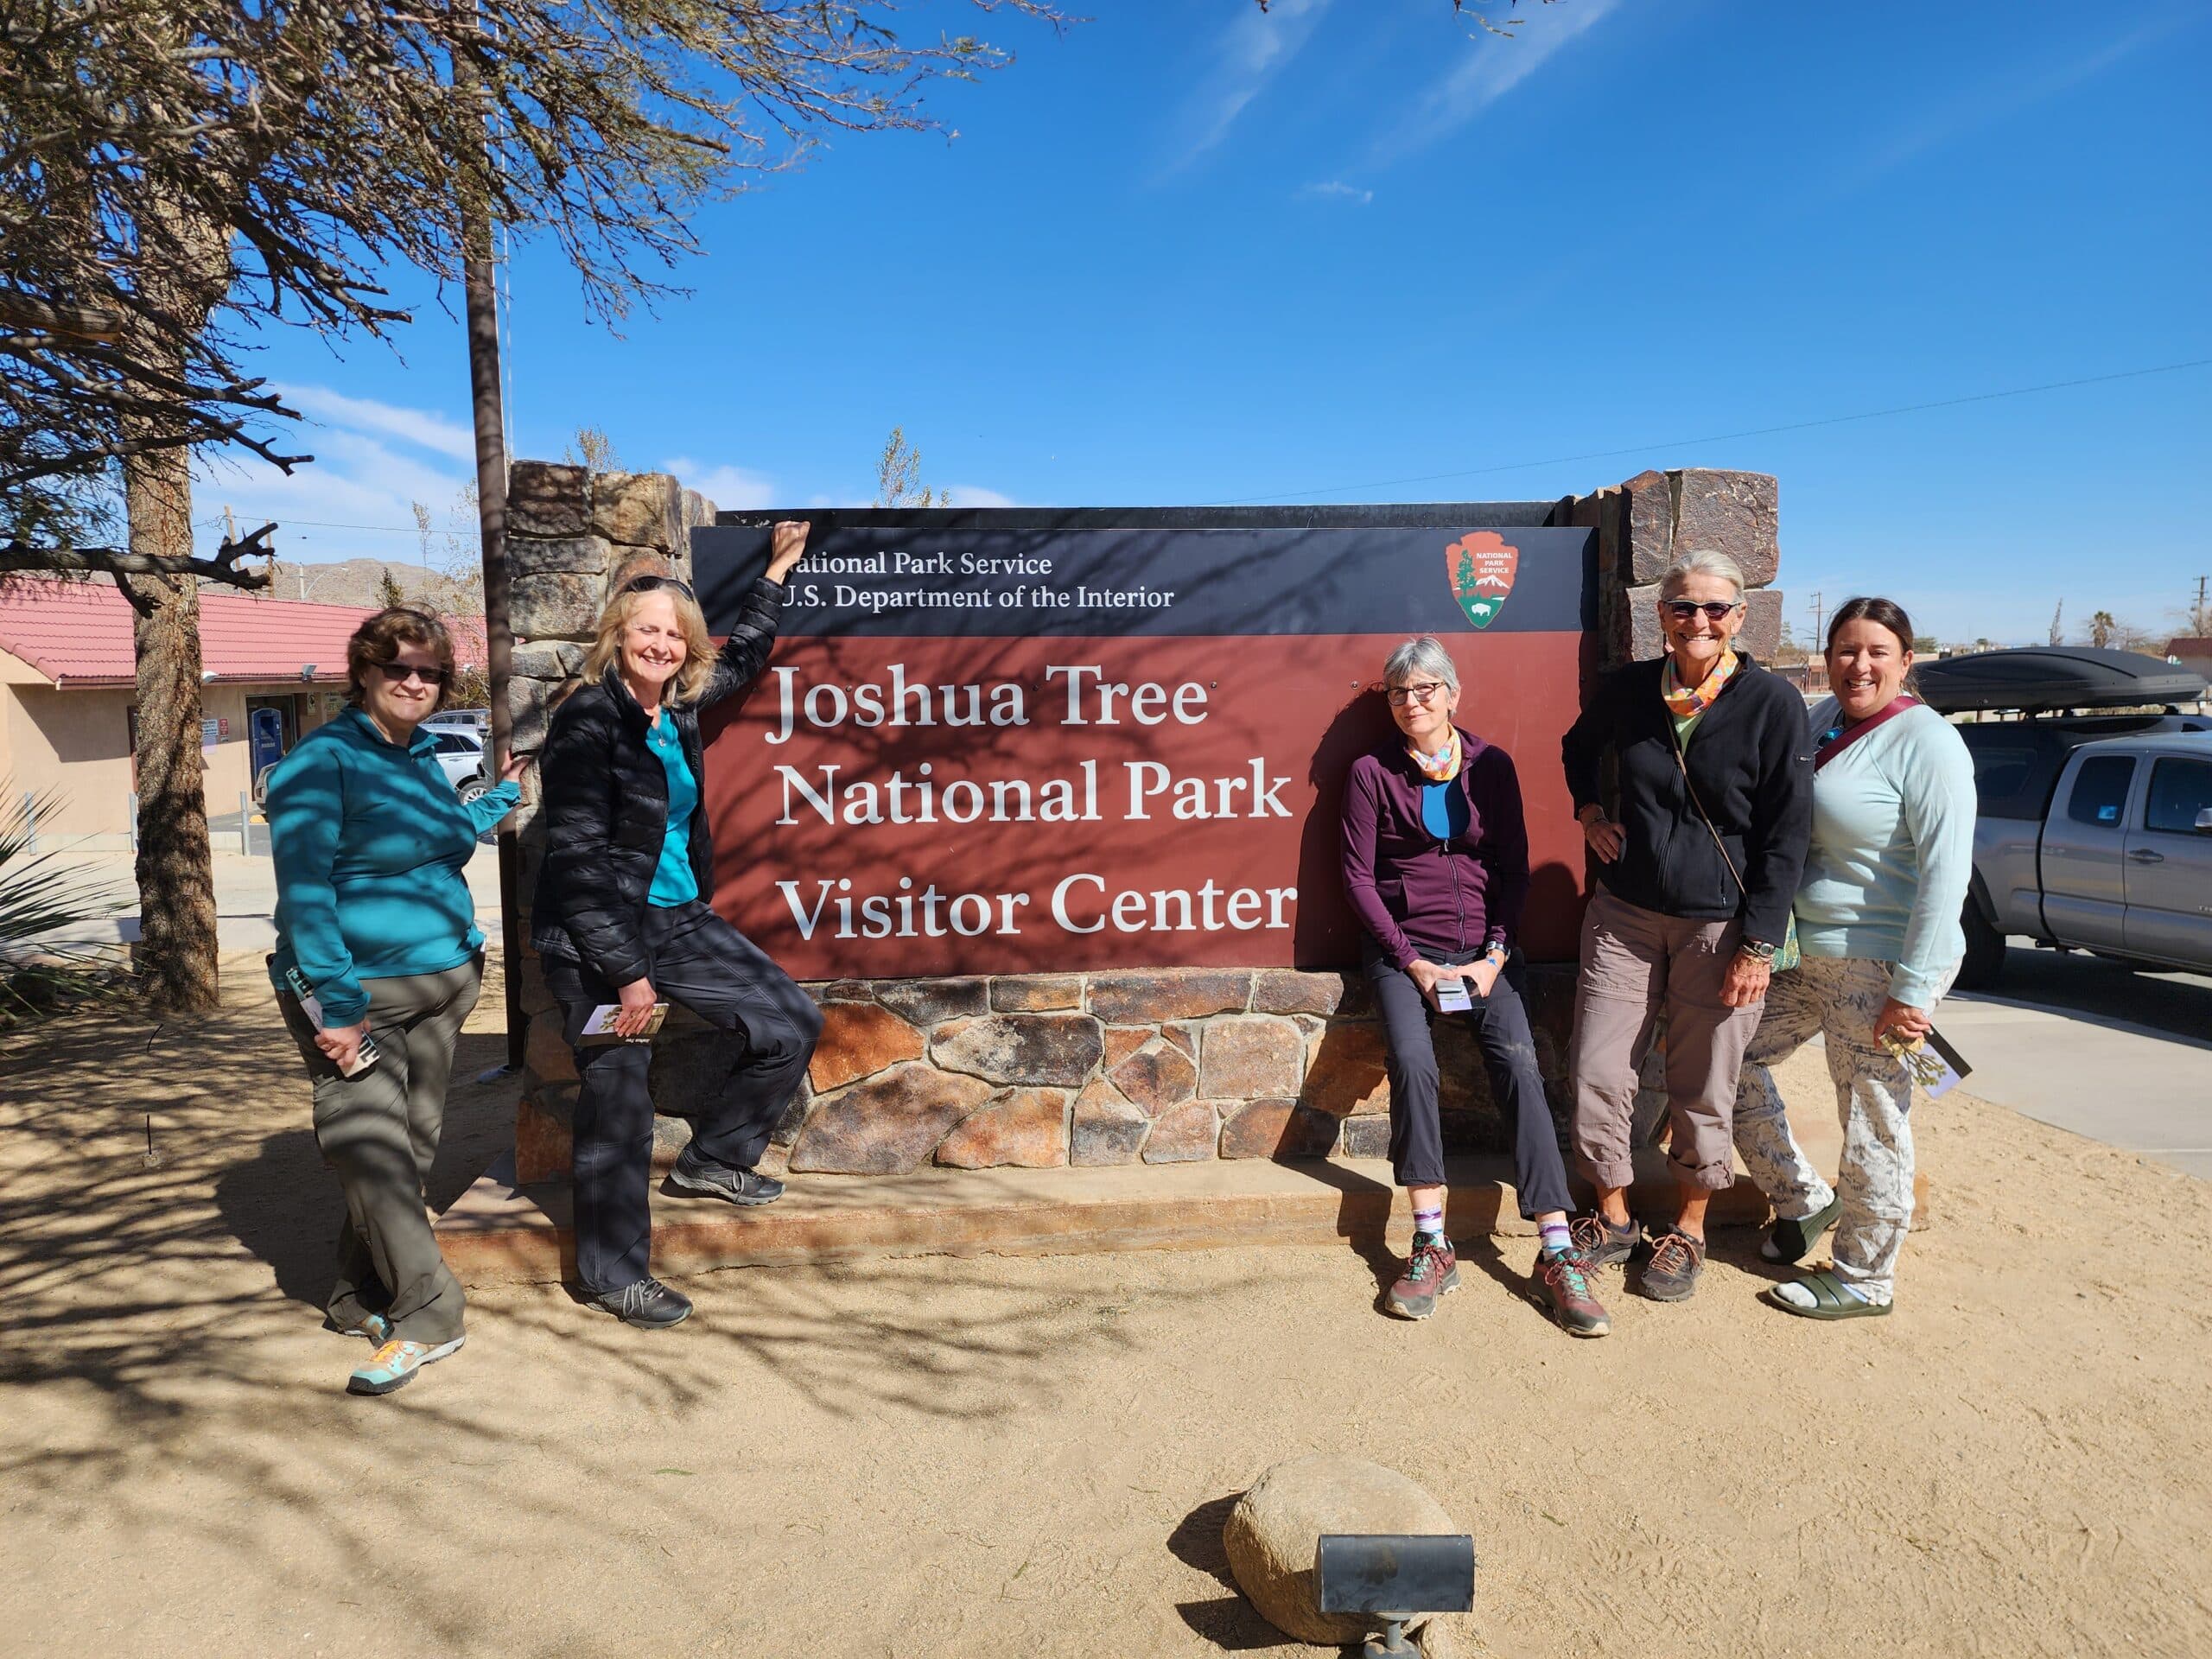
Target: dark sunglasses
[399,673]
[648,584]
[1715,611]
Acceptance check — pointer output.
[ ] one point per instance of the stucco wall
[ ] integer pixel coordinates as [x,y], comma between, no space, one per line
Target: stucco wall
[75,741]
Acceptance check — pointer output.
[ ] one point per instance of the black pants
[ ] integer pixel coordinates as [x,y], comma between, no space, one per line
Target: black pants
[699,960]
[1501,1023]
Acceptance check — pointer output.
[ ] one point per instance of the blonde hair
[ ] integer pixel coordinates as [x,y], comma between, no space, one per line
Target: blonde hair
[689,682]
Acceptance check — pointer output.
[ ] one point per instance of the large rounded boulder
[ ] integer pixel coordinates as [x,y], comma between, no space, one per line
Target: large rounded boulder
[1272,1531]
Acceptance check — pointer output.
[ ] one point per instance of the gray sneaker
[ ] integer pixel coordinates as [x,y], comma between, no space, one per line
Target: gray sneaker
[648,1303]
[696,1172]
[1601,1244]
[1677,1260]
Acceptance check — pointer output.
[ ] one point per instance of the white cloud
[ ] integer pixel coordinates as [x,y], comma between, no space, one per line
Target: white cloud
[1246,56]
[2007,94]
[356,499]
[724,484]
[1496,66]
[974,495]
[423,428]
[1337,190]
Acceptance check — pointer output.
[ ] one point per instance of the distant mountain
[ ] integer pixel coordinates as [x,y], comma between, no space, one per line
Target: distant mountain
[360,582]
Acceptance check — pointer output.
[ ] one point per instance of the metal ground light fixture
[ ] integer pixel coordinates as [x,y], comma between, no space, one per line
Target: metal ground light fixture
[1391,1579]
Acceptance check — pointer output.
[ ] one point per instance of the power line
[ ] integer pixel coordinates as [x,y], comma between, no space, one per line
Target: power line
[1720,437]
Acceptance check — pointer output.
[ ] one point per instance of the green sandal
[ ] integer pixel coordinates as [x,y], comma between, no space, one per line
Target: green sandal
[1792,1240]
[1830,1299]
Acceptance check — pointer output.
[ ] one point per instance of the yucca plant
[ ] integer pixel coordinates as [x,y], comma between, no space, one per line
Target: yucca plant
[42,894]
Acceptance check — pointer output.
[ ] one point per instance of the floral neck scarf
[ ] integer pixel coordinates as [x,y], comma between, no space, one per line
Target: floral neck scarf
[1683,701]
[1442,766]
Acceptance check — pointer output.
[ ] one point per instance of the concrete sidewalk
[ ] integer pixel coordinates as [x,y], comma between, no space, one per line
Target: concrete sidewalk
[2121,1055]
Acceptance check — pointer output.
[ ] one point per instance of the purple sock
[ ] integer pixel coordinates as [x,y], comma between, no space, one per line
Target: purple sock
[1558,1240]
[1430,1222]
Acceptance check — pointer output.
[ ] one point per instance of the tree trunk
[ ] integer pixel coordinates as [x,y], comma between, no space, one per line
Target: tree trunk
[176,954]
[176,950]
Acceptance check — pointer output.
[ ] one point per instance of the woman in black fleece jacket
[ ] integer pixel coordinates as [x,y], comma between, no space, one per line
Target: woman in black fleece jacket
[624,916]
[1697,866]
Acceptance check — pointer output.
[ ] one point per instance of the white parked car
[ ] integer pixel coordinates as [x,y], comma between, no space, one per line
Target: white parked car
[460,757]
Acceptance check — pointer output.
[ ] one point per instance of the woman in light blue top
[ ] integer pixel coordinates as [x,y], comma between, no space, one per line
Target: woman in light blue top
[1878,922]
[378,962]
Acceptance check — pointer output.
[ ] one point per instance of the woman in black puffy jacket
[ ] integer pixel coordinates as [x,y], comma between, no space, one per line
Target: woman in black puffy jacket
[623,918]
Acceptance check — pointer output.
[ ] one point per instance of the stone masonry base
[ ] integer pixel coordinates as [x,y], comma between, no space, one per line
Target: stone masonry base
[1167,1066]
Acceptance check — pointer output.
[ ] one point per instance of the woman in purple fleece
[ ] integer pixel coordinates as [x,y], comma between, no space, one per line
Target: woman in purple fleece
[1436,867]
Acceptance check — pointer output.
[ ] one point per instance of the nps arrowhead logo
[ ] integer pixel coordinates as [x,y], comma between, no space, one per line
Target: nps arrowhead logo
[1480,567]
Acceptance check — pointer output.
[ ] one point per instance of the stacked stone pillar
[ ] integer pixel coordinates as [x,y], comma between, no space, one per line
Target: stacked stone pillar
[1157,1066]
[569,532]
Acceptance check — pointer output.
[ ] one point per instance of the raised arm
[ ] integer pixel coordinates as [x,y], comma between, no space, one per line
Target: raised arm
[745,653]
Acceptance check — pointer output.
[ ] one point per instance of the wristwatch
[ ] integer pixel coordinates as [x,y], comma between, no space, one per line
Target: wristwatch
[1759,948]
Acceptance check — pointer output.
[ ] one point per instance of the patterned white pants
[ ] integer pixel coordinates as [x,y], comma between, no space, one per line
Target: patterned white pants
[1838,997]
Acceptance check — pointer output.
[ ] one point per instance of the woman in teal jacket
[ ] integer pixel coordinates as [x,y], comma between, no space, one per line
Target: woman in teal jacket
[378,962]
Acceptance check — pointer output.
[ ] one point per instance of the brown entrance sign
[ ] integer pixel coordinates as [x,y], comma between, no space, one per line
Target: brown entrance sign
[1006,749]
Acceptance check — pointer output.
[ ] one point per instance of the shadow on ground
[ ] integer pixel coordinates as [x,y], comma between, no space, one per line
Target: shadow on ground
[161,1314]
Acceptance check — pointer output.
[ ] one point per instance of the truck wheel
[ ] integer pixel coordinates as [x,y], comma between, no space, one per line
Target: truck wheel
[1985,959]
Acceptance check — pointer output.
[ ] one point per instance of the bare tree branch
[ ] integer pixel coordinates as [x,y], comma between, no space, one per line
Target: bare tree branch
[223,568]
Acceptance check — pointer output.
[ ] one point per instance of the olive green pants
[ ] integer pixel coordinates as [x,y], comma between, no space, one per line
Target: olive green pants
[379,1132]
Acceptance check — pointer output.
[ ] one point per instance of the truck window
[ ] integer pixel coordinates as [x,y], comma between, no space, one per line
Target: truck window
[2101,790]
[2180,790]
[2001,776]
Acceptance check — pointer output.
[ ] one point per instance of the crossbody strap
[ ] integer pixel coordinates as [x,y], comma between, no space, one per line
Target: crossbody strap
[1683,765]
[1843,739]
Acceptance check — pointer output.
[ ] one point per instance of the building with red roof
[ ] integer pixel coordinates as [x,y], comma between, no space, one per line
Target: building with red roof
[273,669]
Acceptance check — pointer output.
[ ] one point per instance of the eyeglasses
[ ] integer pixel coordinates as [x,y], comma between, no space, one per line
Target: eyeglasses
[648,584]
[1715,610]
[400,673]
[1399,695]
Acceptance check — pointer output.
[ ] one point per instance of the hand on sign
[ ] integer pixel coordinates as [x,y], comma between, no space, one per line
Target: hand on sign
[787,546]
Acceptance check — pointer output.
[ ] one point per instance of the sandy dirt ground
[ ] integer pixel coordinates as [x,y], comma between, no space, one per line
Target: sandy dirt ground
[1021,1457]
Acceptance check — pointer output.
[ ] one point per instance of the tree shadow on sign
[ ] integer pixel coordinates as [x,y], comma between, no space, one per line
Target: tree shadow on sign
[1230,1621]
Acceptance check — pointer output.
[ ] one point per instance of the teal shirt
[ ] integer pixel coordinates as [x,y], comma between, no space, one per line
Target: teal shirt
[1892,851]
[673,882]
[370,843]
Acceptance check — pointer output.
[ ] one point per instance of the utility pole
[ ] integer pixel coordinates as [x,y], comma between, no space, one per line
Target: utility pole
[1814,642]
[2198,620]
[480,303]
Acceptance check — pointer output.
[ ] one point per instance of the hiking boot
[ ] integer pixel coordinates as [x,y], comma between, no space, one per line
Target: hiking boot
[1564,1289]
[1432,1271]
[696,1172]
[394,1365]
[1601,1244]
[648,1303]
[374,1327]
[1677,1260]
[1792,1240]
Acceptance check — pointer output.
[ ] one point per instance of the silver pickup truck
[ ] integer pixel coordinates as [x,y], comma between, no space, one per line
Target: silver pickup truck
[2092,841]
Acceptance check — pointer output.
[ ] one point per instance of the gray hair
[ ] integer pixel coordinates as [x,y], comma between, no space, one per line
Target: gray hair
[1422,654]
[1702,562]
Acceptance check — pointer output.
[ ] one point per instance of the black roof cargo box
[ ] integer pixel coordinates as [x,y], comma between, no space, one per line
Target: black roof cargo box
[2055,676]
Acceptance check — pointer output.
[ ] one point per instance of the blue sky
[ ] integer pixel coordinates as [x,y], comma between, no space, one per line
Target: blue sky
[1186,253]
